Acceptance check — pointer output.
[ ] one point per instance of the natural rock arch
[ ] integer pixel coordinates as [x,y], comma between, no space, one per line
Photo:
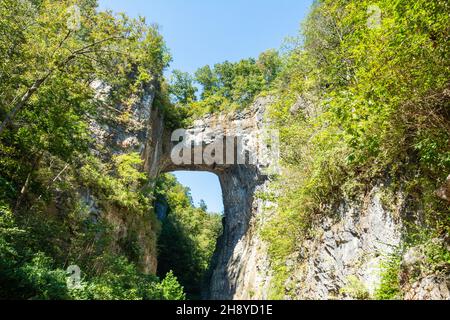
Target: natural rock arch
[235,271]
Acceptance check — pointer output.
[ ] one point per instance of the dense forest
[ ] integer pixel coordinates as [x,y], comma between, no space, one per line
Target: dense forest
[377,100]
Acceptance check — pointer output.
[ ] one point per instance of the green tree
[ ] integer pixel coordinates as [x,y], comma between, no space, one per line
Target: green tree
[230,86]
[182,88]
[202,205]
[207,79]
[171,289]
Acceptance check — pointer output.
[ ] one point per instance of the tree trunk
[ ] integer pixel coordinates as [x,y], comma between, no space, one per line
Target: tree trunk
[23,101]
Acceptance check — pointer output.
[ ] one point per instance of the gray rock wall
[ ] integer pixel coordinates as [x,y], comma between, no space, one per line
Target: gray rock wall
[113,137]
[349,251]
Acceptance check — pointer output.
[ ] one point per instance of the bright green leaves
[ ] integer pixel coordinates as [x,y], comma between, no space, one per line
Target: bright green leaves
[171,289]
[227,86]
[38,43]
[208,79]
[182,88]
[367,74]
[360,100]
[124,53]
[51,55]
[129,169]
[122,184]
[122,281]
[42,280]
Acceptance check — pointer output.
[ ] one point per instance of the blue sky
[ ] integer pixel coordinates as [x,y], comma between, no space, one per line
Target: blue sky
[203,185]
[201,32]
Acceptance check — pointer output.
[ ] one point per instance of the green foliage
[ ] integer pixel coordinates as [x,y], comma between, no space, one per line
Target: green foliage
[54,69]
[128,168]
[42,281]
[123,282]
[438,255]
[355,289]
[359,105]
[171,289]
[48,63]
[182,87]
[430,244]
[46,158]
[188,237]
[28,275]
[390,280]
[25,274]
[120,183]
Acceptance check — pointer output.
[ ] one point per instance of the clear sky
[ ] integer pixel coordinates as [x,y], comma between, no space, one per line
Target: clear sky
[204,186]
[201,32]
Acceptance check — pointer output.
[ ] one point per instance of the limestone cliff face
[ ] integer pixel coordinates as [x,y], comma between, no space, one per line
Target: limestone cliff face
[114,137]
[344,260]
[240,265]
[349,250]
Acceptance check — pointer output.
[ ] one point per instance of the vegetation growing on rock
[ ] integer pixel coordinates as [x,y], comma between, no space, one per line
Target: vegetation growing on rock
[358,105]
[55,178]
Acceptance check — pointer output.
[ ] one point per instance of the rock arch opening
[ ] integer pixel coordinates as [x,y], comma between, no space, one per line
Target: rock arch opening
[205,189]
[189,228]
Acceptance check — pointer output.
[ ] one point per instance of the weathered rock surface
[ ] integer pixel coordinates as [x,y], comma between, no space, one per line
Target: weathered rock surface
[112,137]
[432,287]
[420,280]
[240,265]
[351,246]
[345,260]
